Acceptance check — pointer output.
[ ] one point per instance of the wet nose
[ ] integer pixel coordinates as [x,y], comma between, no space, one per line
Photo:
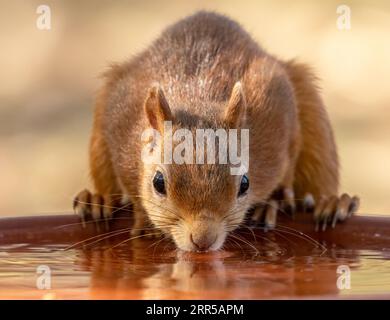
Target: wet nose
[202,242]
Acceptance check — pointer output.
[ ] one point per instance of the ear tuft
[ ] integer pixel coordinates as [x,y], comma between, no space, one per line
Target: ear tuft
[157,108]
[235,111]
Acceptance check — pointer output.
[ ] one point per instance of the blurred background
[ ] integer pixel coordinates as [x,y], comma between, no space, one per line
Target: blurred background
[48,81]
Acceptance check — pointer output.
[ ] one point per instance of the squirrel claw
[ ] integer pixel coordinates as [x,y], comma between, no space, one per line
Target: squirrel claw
[265,215]
[93,208]
[330,210]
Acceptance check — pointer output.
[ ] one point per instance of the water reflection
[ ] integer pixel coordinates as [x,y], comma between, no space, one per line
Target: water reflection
[277,269]
[141,270]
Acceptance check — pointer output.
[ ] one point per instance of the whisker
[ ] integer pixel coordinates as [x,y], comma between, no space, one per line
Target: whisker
[300,235]
[253,233]
[246,242]
[107,237]
[303,235]
[264,238]
[132,238]
[284,237]
[155,244]
[92,221]
[91,238]
[242,250]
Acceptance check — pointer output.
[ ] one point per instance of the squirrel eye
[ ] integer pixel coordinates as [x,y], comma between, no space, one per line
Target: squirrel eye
[244,186]
[158,183]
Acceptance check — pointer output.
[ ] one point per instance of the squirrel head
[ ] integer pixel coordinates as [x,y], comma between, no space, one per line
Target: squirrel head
[190,188]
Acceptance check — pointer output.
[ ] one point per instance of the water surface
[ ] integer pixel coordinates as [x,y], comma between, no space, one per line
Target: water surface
[274,266]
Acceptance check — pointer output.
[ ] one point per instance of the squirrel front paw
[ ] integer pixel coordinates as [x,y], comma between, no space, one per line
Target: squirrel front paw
[331,209]
[327,210]
[266,213]
[94,207]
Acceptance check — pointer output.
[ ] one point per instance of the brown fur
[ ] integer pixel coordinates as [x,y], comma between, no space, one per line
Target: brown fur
[196,63]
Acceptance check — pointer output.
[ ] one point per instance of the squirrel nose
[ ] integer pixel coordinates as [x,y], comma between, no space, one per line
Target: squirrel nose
[202,242]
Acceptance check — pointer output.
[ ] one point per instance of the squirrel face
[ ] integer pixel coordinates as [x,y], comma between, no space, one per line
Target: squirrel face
[196,204]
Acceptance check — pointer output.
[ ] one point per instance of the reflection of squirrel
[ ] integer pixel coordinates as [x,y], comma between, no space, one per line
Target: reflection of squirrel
[211,74]
[156,273]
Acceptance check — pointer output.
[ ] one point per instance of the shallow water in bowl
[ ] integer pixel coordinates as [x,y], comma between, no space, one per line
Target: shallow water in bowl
[145,269]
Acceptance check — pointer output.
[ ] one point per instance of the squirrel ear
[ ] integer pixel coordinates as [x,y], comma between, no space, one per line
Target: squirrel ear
[235,111]
[156,108]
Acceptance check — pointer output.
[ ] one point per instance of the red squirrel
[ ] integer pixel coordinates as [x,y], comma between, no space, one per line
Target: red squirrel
[206,71]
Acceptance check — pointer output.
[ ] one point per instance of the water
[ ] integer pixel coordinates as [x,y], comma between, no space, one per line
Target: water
[272,267]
